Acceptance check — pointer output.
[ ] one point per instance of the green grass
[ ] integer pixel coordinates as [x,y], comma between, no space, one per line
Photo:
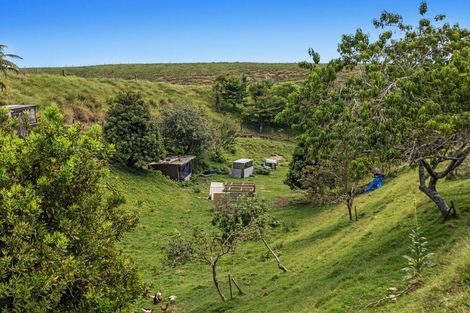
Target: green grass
[334,265]
[181,73]
[86,100]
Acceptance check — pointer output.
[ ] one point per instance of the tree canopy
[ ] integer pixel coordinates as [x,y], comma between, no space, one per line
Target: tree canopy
[267,100]
[401,98]
[185,129]
[131,129]
[229,91]
[60,223]
[7,65]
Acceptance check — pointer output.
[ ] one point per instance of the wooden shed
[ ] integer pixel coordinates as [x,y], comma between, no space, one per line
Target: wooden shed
[26,114]
[242,168]
[271,163]
[177,167]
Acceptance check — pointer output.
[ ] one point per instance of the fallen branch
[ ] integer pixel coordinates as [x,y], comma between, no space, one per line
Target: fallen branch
[279,263]
[393,297]
[238,287]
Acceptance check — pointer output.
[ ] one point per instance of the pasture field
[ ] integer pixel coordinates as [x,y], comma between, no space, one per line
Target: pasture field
[181,73]
[334,265]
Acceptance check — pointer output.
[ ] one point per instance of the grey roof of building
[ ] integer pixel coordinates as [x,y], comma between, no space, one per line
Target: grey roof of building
[243,161]
[175,160]
[19,106]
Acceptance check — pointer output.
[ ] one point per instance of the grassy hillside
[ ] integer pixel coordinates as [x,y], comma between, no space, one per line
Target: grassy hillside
[87,99]
[334,265]
[181,73]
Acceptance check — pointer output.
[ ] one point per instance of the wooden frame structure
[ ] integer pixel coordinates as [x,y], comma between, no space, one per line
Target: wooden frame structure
[26,114]
[232,191]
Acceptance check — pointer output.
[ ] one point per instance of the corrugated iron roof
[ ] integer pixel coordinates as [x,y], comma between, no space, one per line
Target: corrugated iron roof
[243,161]
[175,160]
[19,106]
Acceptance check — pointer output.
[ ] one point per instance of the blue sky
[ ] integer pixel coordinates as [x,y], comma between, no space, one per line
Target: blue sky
[80,32]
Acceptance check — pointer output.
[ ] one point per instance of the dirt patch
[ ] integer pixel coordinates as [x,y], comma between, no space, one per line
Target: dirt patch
[302,202]
[276,158]
[282,202]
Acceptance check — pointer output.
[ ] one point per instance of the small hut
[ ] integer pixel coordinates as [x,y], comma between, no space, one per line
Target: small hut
[26,114]
[242,168]
[271,163]
[177,167]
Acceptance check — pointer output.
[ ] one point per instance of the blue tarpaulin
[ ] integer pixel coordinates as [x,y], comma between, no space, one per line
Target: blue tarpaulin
[375,184]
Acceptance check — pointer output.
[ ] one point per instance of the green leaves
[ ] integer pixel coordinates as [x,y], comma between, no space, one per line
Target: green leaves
[185,129]
[130,128]
[267,101]
[418,259]
[423,8]
[6,65]
[229,91]
[401,98]
[59,224]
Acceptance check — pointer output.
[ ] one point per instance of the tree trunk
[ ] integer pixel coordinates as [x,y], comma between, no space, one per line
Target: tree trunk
[130,161]
[349,203]
[216,281]
[279,263]
[230,285]
[431,191]
[218,101]
[261,127]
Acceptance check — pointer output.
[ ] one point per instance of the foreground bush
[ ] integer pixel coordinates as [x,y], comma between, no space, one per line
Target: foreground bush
[59,223]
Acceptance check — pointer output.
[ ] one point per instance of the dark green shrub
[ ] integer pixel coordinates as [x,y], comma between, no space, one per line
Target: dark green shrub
[130,128]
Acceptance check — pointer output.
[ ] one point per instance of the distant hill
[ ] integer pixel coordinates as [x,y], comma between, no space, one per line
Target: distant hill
[180,73]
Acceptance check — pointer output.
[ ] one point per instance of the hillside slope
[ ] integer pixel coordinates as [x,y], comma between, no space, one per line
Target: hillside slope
[181,73]
[334,265]
[87,99]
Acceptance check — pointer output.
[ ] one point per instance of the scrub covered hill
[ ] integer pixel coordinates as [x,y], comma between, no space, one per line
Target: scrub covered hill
[181,73]
[334,265]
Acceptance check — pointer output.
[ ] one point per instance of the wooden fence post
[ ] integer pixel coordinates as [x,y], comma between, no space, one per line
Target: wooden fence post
[238,287]
[230,285]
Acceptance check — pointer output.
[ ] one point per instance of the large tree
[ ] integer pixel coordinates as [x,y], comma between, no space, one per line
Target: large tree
[130,127]
[266,101]
[330,160]
[60,223]
[229,91]
[406,93]
[413,86]
[263,105]
[185,129]
[7,65]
